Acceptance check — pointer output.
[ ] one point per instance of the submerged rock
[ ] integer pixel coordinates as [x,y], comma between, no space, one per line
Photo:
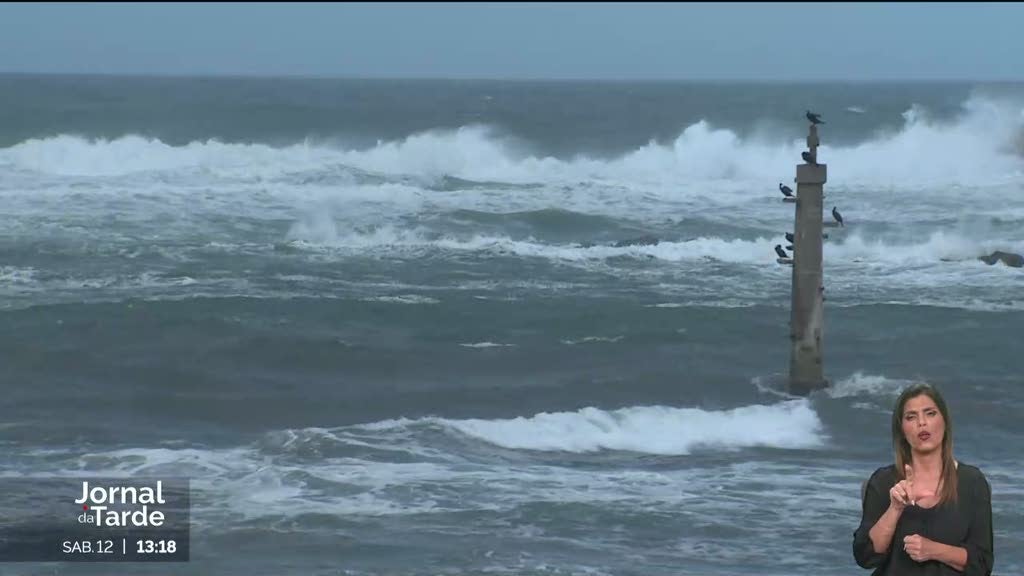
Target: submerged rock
[1009,258]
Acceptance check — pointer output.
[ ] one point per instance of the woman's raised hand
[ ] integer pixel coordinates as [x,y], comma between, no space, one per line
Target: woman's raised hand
[903,492]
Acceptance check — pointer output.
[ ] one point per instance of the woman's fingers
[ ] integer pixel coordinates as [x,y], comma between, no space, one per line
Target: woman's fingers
[899,495]
[902,493]
[908,473]
[907,489]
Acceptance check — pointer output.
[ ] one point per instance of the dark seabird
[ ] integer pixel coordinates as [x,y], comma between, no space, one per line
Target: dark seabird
[789,237]
[808,158]
[837,216]
[780,251]
[786,190]
[814,118]
[790,247]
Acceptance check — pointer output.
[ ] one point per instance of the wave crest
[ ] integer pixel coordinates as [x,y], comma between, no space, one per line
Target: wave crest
[981,146]
[653,429]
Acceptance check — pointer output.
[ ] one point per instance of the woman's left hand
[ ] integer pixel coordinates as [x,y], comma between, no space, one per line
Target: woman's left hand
[917,547]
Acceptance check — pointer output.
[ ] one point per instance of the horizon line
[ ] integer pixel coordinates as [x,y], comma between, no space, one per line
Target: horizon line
[759,80]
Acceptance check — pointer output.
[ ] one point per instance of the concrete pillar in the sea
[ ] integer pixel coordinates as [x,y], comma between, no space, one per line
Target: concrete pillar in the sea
[807,320]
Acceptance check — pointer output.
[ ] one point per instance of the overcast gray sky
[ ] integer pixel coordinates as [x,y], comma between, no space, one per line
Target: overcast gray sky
[609,41]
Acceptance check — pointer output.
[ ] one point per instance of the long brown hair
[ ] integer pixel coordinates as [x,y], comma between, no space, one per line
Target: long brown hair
[948,481]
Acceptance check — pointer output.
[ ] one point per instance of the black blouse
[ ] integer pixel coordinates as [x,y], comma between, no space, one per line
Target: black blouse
[966,523]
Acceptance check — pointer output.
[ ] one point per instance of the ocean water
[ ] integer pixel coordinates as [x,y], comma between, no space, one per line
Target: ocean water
[384,328]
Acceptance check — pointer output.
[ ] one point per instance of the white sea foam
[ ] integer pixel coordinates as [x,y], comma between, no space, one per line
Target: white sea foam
[589,339]
[403,299]
[704,169]
[17,276]
[978,147]
[861,384]
[939,247]
[296,472]
[486,345]
[653,429]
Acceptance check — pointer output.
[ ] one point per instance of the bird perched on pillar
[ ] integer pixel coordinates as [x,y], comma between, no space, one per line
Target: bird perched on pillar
[837,216]
[780,251]
[786,190]
[808,158]
[814,118]
[789,237]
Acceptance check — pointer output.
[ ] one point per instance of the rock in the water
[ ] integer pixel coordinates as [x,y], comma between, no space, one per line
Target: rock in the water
[1009,258]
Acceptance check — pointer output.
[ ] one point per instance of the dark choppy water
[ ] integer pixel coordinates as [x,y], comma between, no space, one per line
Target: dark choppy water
[384,328]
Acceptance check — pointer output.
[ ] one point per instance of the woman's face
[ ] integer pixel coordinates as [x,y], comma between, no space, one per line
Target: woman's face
[923,425]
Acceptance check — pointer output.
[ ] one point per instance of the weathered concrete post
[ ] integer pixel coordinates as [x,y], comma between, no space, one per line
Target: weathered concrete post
[807,310]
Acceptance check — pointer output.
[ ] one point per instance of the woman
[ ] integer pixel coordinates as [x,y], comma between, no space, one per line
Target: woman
[927,514]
